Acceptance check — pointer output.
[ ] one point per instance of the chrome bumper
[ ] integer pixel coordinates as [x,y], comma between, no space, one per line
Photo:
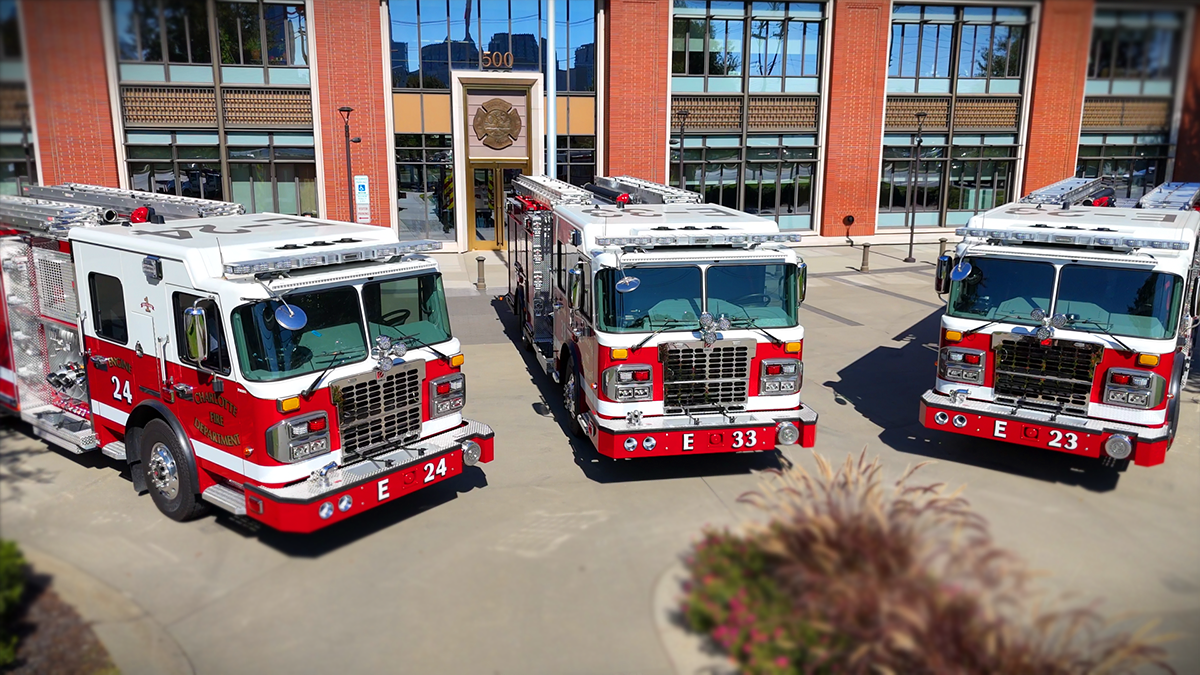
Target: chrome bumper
[1058,420]
[802,417]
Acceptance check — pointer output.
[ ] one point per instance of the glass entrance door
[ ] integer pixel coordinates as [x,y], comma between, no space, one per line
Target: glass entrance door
[491,185]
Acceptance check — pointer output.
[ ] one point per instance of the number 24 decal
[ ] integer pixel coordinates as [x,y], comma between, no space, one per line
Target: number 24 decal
[1056,440]
[430,470]
[748,440]
[121,392]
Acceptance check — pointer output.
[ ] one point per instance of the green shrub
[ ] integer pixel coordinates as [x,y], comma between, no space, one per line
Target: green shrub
[848,576]
[12,588]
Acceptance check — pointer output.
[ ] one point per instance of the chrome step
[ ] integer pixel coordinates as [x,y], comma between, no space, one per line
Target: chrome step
[116,450]
[227,498]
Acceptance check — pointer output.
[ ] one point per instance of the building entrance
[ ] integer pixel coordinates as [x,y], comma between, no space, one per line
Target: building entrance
[491,184]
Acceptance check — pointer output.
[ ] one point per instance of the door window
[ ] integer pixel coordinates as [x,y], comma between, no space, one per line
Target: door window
[108,307]
[218,354]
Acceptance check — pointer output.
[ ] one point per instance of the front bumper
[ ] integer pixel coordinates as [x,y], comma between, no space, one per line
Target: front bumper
[368,483]
[697,434]
[1071,434]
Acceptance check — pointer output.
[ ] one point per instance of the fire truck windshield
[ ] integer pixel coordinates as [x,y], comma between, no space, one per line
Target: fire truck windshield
[1130,302]
[408,308]
[758,295]
[998,288]
[268,351]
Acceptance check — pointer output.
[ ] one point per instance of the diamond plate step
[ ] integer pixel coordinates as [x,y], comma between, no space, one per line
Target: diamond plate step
[116,450]
[227,498]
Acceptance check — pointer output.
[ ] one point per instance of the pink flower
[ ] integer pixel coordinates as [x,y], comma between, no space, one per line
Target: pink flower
[781,661]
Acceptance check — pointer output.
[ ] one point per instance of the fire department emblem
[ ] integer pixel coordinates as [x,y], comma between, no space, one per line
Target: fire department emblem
[497,124]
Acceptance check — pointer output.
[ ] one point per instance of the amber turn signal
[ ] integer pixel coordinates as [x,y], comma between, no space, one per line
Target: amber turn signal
[793,347]
[620,354]
[1150,360]
[457,360]
[291,404]
[954,336]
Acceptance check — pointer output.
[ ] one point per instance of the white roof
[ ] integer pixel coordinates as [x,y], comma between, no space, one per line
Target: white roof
[207,245]
[662,220]
[1147,223]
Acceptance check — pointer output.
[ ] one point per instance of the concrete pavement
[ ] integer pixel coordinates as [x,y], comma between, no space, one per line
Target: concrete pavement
[549,560]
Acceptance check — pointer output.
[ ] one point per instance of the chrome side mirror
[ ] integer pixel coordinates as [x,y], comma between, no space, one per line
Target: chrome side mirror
[801,281]
[941,280]
[195,333]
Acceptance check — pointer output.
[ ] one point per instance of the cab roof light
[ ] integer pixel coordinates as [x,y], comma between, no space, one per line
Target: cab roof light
[379,253]
[739,240]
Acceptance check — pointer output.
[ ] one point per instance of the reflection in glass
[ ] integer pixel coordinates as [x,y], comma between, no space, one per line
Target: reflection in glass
[1000,289]
[333,335]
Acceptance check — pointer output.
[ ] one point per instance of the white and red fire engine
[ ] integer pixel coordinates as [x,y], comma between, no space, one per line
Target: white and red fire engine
[294,370]
[671,324]
[1071,327]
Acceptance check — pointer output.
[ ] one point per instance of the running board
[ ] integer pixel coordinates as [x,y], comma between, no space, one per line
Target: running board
[227,498]
[116,450]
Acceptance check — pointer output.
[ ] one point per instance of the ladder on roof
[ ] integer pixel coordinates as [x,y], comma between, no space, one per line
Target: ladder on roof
[550,191]
[50,217]
[1070,190]
[1173,196]
[125,202]
[647,192]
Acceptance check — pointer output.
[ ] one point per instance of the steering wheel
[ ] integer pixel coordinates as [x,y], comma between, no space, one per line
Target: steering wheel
[761,298]
[400,314]
[300,355]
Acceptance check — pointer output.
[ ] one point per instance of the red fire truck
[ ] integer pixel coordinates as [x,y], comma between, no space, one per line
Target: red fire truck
[1071,327]
[293,370]
[671,324]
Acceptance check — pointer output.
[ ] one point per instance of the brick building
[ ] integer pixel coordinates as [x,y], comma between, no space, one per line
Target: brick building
[806,112]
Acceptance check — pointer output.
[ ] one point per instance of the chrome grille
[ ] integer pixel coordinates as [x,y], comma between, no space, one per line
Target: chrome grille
[697,379]
[1056,375]
[375,415]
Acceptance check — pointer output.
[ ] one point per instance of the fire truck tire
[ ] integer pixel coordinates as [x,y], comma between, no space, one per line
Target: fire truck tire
[571,396]
[168,473]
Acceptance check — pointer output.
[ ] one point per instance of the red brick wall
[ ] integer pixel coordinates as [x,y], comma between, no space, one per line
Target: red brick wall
[1187,152]
[64,47]
[857,91]
[1059,77]
[349,58]
[637,64]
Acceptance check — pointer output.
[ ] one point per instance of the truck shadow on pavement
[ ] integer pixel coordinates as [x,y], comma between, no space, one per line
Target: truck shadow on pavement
[604,469]
[885,386]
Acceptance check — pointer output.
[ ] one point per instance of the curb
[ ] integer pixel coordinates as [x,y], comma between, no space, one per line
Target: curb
[136,641]
[685,650]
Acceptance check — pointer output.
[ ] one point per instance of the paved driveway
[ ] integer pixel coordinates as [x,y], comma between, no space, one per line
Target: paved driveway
[545,560]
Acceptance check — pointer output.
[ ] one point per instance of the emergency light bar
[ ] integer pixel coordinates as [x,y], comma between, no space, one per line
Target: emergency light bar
[697,240]
[377,252]
[1069,190]
[48,216]
[649,192]
[550,191]
[125,201]
[1173,196]
[1045,235]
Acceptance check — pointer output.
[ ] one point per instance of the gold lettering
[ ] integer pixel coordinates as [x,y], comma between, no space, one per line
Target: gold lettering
[219,439]
[216,419]
[217,400]
[120,363]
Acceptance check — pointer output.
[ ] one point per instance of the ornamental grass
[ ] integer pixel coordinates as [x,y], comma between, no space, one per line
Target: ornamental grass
[850,575]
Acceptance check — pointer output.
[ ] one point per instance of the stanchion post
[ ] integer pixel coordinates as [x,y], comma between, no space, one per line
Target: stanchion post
[866,261]
[942,246]
[480,284]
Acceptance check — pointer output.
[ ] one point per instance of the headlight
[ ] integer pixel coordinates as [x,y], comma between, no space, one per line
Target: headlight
[1133,388]
[447,394]
[959,364]
[628,383]
[300,438]
[780,377]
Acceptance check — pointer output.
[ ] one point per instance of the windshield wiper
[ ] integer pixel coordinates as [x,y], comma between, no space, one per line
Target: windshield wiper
[993,322]
[672,323]
[406,338]
[313,387]
[1102,330]
[753,323]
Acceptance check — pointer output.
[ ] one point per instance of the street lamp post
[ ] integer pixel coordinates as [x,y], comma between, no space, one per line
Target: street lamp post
[911,202]
[683,115]
[345,111]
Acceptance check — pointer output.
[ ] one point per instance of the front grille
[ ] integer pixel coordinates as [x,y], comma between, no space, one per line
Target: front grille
[698,379]
[375,415]
[1057,375]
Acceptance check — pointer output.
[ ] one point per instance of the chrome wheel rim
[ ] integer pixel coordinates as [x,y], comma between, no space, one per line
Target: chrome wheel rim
[162,471]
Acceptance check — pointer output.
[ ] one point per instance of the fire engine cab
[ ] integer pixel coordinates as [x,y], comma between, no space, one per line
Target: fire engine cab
[1071,327]
[293,370]
[671,324]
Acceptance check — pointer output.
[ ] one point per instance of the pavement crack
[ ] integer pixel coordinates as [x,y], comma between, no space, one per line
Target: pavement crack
[714,492]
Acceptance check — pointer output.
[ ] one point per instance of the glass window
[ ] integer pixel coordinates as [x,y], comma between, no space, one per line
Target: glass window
[1134,169]
[108,307]
[333,335]
[668,297]
[286,34]
[1136,303]
[175,171]
[218,353]
[187,31]
[435,52]
[1002,290]
[240,35]
[425,186]
[10,30]
[411,310]
[1139,48]
[761,296]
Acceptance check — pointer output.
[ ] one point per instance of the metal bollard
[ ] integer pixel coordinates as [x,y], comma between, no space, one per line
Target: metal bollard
[866,261]
[480,284]
[942,246]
